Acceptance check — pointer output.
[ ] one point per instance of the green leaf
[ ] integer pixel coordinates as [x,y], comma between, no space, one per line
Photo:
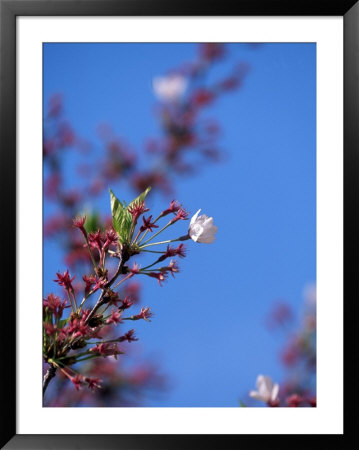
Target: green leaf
[141,198]
[241,404]
[126,223]
[117,210]
[121,218]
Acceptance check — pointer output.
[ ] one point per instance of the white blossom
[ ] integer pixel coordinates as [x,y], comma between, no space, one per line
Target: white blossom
[201,229]
[266,391]
[170,88]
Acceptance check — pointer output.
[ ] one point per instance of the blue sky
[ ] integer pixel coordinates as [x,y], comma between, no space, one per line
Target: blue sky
[208,331]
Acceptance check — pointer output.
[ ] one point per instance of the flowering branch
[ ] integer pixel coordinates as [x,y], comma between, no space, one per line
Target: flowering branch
[124,257]
[65,339]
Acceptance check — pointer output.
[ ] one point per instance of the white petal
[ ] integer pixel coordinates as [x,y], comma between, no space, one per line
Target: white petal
[256,395]
[206,239]
[268,384]
[208,235]
[208,221]
[259,381]
[194,236]
[195,231]
[253,394]
[194,218]
[214,229]
[202,218]
[275,392]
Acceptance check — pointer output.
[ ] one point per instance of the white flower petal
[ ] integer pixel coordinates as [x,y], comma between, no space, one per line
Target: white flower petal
[256,395]
[259,381]
[267,390]
[194,218]
[201,228]
[268,384]
[206,240]
[275,392]
[194,236]
[207,221]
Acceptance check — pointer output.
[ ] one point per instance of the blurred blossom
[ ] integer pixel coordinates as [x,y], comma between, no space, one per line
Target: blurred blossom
[122,386]
[294,400]
[55,224]
[212,50]
[266,391]
[132,290]
[291,353]
[55,105]
[280,315]
[170,88]
[298,354]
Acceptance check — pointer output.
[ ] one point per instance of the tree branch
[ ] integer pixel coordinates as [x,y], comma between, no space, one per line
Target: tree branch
[49,375]
[124,257]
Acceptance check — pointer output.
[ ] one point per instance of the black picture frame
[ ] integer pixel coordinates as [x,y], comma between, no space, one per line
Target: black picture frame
[9,10]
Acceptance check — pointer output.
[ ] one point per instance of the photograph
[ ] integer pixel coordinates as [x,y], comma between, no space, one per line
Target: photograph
[179,224]
[179,197]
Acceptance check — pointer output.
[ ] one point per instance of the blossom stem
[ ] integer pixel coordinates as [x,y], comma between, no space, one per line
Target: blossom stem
[55,338]
[145,233]
[89,357]
[87,296]
[156,234]
[147,267]
[91,254]
[104,342]
[103,258]
[145,271]
[137,236]
[79,354]
[162,242]
[123,280]
[83,300]
[70,301]
[74,298]
[142,238]
[106,307]
[153,251]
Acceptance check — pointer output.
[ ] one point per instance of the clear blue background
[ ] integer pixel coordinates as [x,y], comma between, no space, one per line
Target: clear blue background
[208,331]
